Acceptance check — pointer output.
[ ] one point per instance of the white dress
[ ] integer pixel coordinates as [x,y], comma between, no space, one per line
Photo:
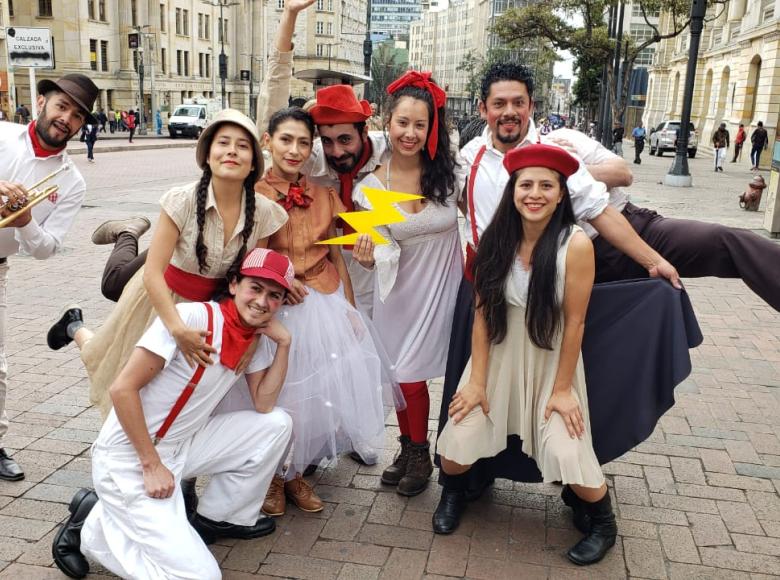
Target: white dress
[415,287]
[520,380]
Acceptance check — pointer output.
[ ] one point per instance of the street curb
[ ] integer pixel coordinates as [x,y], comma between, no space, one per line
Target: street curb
[115,148]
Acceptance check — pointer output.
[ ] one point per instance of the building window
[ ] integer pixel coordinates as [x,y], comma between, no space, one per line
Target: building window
[208,65]
[178,21]
[330,5]
[93,54]
[134,12]
[320,5]
[91,9]
[330,28]
[186,63]
[280,4]
[201,68]
[320,49]
[207,27]
[163,61]
[178,62]
[44,8]
[200,25]
[320,27]
[11,8]
[185,17]
[162,17]
[767,10]
[102,10]
[104,55]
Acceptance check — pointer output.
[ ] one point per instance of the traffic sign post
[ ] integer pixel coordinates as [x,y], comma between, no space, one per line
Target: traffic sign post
[31,48]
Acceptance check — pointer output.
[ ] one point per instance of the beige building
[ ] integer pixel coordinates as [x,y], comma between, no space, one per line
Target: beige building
[737,75]
[181,41]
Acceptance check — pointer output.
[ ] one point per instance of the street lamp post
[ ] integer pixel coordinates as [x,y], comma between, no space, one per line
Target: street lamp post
[222,56]
[141,117]
[678,175]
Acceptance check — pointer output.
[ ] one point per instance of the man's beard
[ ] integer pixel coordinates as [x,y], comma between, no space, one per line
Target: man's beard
[511,138]
[353,158]
[42,126]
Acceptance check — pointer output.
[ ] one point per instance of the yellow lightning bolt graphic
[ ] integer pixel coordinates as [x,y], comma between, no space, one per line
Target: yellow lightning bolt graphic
[363,222]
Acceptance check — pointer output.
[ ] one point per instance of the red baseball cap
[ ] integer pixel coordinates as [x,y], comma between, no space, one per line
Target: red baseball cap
[539,155]
[269,265]
[338,104]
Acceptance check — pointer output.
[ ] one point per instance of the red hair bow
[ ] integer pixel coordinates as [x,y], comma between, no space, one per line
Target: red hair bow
[423,80]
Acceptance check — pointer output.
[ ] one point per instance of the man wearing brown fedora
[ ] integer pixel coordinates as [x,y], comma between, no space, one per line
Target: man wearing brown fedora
[28,153]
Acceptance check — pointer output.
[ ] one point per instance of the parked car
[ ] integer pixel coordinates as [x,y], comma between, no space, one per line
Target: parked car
[664,137]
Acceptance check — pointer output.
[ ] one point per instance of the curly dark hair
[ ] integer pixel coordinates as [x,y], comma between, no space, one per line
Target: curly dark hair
[294,113]
[497,252]
[506,71]
[438,174]
[201,251]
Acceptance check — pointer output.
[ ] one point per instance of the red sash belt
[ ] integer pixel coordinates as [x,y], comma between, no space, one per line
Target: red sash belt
[468,272]
[190,286]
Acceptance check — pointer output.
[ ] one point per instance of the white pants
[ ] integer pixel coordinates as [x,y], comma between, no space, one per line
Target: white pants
[3,362]
[142,538]
[720,155]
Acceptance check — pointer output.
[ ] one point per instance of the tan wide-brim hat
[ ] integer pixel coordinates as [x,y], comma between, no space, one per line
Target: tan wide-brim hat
[236,118]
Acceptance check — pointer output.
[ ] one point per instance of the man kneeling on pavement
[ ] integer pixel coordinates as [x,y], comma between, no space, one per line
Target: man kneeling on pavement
[163,429]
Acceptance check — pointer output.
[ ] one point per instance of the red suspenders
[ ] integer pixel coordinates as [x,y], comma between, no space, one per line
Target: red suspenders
[189,387]
[471,250]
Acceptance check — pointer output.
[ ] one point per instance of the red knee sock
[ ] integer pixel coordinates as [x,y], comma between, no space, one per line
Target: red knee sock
[413,421]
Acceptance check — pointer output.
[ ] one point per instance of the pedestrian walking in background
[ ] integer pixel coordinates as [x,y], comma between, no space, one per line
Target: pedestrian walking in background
[639,135]
[739,141]
[91,135]
[111,120]
[760,141]
[22,114]
[130,122]
[720,142]
[617,139]
[102,119]
[158,121]
[119,115]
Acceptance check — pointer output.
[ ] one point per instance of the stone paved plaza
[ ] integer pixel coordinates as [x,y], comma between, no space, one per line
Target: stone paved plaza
[699,499]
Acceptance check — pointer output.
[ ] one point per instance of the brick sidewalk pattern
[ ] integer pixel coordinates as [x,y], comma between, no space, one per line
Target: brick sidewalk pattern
[698,499]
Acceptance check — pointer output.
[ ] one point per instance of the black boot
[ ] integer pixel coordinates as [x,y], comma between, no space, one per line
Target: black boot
[209,530]
[57,336]
[603,531]
[476,489]
[393,474]
[190,496]
[66,548]
[418,470]
[446,518]
[9,469]
[580,516]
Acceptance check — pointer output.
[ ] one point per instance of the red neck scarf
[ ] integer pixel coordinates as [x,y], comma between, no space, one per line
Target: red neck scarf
[37,148]
[236,336]
[348,181]
[296,195]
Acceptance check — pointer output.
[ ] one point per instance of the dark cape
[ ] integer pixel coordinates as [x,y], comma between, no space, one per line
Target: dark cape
[635,352]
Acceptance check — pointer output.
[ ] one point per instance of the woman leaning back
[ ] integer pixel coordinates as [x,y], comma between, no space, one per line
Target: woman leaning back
[204,229]
[534,273]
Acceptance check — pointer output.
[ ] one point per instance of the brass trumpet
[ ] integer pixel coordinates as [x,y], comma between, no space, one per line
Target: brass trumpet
[35,197]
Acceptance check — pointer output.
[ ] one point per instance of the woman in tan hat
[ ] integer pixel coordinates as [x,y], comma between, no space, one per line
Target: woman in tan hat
[204,229]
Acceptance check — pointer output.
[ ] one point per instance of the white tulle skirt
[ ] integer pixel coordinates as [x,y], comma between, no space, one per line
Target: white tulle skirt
[339,387]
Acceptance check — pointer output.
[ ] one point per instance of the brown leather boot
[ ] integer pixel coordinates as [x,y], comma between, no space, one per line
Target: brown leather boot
[418,470]
[302,495]
[393,474]
[275,503]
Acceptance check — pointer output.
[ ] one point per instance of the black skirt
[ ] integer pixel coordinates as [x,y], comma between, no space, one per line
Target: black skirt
[635,352]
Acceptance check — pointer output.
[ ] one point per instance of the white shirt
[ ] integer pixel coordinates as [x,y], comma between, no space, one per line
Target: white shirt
[160,394]
[44,235]
[589,197]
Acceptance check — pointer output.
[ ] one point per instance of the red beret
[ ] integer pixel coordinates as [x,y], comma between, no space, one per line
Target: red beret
[538,155]
[338,104]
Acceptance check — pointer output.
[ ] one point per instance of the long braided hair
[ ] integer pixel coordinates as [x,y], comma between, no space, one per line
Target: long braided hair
[201,251]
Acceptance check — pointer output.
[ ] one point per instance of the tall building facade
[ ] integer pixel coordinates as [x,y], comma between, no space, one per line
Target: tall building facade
[180,42]
[737,75]
[392,18]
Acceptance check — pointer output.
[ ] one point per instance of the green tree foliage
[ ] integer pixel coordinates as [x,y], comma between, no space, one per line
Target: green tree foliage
[588,40]
[387,64]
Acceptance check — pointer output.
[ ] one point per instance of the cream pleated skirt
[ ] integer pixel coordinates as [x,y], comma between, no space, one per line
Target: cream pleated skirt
[520,382]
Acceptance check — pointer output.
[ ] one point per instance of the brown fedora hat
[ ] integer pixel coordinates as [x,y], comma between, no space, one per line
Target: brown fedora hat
[78,87]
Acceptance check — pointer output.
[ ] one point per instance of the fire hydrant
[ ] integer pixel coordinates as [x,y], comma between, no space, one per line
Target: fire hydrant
[750,199]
